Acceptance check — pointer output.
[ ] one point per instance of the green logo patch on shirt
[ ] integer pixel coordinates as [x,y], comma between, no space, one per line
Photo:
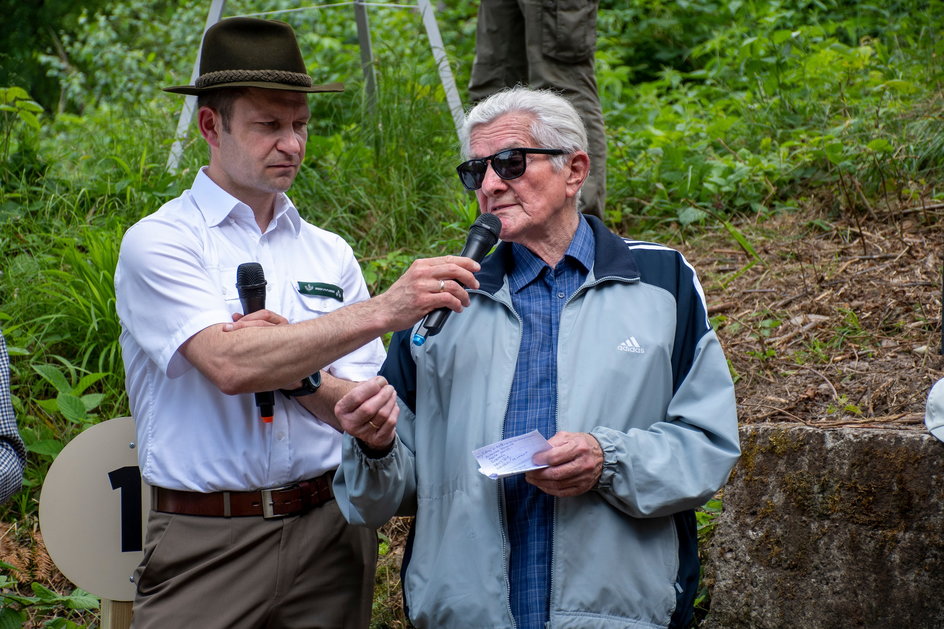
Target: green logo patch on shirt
[319,289]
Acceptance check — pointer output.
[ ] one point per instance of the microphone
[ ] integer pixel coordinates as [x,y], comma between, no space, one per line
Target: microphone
[250,284]
[483,234]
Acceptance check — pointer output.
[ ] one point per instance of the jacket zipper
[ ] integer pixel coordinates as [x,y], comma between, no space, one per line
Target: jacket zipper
[500,492]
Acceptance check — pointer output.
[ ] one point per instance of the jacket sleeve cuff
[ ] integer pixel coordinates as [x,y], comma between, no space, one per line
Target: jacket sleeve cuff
[375,453]
[372,459]
[611,456]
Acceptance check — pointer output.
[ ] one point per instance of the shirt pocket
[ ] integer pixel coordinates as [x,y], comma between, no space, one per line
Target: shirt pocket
[225,276]
[310,298]
[569,32]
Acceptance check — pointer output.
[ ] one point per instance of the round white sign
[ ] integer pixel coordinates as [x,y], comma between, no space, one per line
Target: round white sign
[93,507]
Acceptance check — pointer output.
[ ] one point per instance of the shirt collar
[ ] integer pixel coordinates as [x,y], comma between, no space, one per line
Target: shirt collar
[217,205]
[528,266]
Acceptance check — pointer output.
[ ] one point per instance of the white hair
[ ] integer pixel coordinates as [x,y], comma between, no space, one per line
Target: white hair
[555,123]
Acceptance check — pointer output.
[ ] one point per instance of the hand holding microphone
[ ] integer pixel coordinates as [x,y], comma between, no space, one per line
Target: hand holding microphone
[483,234]
[250,284]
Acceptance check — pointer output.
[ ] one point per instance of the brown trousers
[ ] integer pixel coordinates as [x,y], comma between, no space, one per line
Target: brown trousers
[545,44]
[308,571]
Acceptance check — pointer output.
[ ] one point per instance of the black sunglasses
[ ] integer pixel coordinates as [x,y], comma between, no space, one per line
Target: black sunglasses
[507,164]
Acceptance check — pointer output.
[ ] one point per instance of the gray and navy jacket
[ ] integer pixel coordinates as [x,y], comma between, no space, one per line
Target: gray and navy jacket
[639,367]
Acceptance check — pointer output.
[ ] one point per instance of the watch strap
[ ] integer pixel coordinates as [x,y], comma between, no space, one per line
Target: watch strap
[309,386]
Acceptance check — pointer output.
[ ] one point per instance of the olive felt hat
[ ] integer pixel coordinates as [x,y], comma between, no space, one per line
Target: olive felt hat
[251,52]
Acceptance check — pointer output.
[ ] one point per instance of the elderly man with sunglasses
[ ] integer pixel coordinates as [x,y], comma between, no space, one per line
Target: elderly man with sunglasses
[600,343]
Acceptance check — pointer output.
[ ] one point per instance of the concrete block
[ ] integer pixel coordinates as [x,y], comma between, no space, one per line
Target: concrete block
[829,529]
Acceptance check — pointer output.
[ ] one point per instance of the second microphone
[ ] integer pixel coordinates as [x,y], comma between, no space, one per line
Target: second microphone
[251,286]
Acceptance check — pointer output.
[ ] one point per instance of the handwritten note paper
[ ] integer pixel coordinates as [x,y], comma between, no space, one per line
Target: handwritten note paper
[511,456]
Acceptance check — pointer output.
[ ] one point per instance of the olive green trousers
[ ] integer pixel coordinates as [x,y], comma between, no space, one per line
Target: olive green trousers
[545,44]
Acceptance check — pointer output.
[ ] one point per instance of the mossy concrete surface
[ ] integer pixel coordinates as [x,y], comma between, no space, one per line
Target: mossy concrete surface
[829,529]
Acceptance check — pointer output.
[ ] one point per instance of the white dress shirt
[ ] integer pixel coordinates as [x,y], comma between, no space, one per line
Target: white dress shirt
[176,275]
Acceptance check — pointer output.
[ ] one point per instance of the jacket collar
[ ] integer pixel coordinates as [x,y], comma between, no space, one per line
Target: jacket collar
[612,259]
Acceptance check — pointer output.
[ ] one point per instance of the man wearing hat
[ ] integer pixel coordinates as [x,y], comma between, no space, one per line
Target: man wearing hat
[243,529]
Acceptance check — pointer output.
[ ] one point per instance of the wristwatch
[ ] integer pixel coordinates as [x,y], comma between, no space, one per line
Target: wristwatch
[309,385]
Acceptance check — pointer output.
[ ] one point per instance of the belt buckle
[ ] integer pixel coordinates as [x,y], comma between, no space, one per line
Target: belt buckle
[268,505]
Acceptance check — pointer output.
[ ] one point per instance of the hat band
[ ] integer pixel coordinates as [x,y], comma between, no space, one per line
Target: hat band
[241,76]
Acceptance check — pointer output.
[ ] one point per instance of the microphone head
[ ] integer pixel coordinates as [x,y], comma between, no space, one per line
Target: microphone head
[483,234]
[250,274]
[489,222]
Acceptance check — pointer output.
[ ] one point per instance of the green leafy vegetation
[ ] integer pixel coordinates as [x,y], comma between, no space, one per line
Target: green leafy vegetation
[60,611]
[716,110]
[778,97]
[705,518]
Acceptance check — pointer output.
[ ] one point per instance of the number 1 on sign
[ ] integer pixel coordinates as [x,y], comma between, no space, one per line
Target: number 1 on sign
[128,480]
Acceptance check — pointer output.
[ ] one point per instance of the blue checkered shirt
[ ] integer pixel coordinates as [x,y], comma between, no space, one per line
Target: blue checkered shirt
[538,293]
[12,452]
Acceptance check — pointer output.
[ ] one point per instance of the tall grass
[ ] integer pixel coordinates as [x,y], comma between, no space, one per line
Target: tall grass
[388,181]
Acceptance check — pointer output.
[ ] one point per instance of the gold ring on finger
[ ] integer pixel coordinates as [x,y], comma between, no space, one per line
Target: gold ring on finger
[442,285]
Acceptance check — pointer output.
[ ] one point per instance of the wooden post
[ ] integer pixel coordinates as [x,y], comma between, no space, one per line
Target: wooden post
[116,614]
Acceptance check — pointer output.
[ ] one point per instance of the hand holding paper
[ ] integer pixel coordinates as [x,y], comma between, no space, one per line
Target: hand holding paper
[574,465]
[511,456]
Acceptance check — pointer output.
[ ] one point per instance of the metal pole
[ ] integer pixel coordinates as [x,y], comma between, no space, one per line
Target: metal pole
[190,102]
[442,62]
[367,53]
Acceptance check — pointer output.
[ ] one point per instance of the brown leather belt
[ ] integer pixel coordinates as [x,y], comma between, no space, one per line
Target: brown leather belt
[277,502]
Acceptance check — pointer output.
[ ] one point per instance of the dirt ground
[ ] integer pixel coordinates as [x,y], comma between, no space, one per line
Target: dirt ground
[839,321]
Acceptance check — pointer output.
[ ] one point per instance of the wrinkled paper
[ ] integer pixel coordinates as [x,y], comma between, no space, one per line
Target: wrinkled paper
[511,456]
